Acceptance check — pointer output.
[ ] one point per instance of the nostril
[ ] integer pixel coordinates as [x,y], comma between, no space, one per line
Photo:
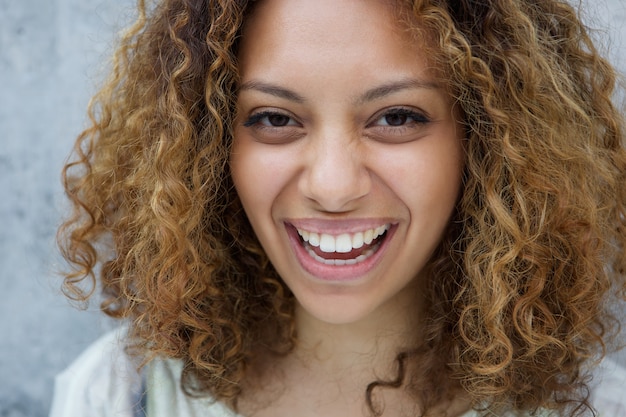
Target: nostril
[334,184]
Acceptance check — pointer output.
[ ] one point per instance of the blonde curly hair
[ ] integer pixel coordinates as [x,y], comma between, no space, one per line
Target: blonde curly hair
[536,248]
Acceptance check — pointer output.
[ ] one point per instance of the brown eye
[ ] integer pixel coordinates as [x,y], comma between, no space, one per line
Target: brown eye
[398,124]
[278,120]
[400,117]
[270,119]
[395,119]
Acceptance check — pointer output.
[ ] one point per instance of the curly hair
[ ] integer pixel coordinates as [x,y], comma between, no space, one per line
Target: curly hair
[518,309]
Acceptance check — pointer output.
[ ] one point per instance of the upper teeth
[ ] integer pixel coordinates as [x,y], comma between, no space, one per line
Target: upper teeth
[342,243]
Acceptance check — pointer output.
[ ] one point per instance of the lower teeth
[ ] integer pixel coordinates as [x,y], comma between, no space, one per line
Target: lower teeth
[340,262]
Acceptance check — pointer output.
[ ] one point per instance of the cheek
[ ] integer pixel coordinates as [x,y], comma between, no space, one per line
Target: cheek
[258,172]
[426,173]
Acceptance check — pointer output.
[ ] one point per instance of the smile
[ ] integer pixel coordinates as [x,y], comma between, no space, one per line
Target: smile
[343,249]
[340,251]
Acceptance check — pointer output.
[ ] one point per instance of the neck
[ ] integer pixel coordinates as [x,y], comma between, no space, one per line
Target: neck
[368,346]
[333,364]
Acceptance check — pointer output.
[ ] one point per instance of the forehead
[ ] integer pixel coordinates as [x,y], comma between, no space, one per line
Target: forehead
[343,12]
[329,32]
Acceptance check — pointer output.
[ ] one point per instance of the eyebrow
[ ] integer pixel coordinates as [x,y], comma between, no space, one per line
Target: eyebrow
[273,90]
[370,95]
[395,86]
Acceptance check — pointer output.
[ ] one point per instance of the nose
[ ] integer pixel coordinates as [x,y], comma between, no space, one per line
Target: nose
[336,176]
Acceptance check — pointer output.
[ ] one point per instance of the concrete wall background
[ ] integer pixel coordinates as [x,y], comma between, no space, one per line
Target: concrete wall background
[52,55]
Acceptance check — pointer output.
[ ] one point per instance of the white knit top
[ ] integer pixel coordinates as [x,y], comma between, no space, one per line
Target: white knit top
[104,382]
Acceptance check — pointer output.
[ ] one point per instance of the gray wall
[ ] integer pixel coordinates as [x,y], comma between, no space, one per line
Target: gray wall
[52,55]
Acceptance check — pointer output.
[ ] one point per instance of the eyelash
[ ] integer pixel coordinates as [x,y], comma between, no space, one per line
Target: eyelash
[418,118]
[410,114]
[257,117]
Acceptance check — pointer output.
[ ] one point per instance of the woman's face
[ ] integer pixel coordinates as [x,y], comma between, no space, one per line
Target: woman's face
[347,153]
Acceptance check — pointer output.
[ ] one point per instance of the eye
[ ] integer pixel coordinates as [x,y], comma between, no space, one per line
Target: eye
[398,125]
[270,119]
[397,117]
[273,126]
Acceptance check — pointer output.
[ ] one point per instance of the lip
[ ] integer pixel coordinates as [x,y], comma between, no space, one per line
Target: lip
[337,273]
[337,227]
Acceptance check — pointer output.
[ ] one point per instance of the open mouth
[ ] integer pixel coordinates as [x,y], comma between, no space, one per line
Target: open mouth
[343,249]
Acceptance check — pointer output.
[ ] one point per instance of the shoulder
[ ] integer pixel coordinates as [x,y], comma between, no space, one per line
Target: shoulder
[607,393]
[608,389]
[166,398]
[103,381]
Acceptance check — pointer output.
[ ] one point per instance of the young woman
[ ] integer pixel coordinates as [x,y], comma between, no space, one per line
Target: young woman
[350,208]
